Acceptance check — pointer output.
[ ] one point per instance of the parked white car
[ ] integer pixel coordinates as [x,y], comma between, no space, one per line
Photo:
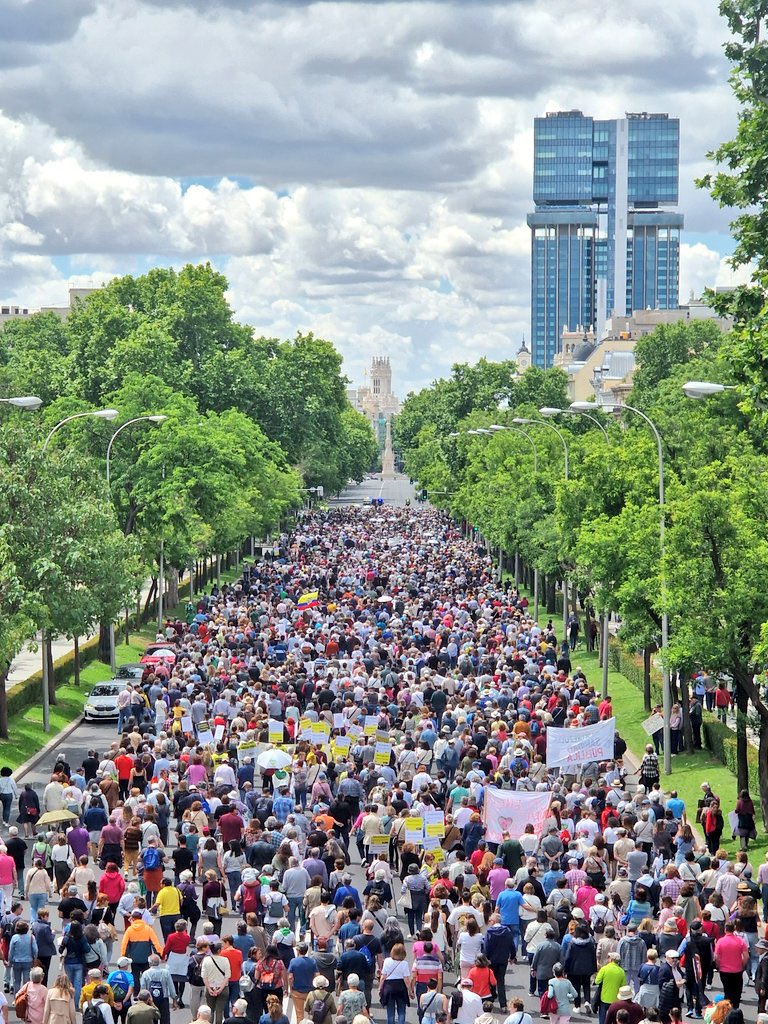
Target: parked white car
[101,702]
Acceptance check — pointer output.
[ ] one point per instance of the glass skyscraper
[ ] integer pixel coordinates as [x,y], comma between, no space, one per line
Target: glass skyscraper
[601,241]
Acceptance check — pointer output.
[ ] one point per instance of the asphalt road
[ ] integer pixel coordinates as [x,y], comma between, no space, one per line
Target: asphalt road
[100,735]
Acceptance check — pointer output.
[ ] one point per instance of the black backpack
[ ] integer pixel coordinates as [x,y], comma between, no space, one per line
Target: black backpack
[319,1010]
[92,1014]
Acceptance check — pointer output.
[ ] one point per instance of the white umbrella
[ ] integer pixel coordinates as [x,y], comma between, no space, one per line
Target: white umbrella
[385,599]
[274,759]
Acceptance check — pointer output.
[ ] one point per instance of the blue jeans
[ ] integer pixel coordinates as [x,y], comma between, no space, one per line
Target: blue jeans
[391,1005]
[21,975]
[296,906]
[75,974]
[122,717]
[37,901]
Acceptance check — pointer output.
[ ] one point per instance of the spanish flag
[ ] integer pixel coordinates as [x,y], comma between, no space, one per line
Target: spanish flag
[308,600]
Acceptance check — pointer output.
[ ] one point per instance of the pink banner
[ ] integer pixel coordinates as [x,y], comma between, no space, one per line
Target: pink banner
[507,811]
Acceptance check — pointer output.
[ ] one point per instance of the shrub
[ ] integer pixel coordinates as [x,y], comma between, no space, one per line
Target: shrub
[721,742]
[28,692]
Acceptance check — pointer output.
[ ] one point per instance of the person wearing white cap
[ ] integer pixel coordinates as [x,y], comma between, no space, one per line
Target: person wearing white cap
[470,1006]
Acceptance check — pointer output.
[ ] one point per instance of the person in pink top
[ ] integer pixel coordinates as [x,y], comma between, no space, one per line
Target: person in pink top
[7,876]
[585,897]
[497,876]
[36,993]
[731,956]
[197,773]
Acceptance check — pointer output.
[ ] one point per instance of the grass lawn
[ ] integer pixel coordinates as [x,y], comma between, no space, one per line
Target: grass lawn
[688,770]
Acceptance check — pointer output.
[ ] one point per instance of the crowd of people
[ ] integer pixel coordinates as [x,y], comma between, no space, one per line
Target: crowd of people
[291,819]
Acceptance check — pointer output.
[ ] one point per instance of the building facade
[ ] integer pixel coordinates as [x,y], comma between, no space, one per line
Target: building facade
[602,241]
[376,399]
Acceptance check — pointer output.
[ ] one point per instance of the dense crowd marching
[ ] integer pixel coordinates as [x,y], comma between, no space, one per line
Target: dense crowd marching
[353,697]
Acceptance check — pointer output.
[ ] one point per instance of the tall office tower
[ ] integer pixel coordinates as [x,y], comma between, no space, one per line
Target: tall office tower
[602,243]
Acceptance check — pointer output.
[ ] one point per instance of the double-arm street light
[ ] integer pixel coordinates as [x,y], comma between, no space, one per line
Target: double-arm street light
[128,423]
[582,408]
[99,414]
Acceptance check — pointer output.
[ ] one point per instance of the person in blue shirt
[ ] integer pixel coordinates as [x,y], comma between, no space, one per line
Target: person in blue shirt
[508,907]
[301,972]
[347,889]
[677,806]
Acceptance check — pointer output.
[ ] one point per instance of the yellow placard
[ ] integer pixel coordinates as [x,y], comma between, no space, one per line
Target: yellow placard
[382,753]
[379,842]
[371,725]
[414,829]
[275,731]
[321,732]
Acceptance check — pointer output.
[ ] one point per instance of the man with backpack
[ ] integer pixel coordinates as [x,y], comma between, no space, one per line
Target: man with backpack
[248,894]
[371,949]
[139,942]
[320,1006]
[158,982]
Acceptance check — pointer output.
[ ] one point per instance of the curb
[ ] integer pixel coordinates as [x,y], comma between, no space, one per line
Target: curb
[56,741]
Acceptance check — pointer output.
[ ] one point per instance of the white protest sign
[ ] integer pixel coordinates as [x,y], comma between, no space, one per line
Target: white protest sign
[571,748]
[653,724]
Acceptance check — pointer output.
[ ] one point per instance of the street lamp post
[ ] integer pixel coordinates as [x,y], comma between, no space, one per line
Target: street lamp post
[101,414]
[546,423]
[666,691]
[576,407]
[128,423]
[495,427]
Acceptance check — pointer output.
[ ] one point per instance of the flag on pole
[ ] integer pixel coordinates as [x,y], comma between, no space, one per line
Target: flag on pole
[308,600]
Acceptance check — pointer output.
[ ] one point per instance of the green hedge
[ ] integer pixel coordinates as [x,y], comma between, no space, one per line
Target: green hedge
[720,739]
[630,665]
[28,692]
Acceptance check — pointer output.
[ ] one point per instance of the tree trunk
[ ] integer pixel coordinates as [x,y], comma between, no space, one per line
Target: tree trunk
[172,587]
[763,762]
[550,589]
[151,594]
[742,773]
[76,660]
[647,702]
[3,704]
[104,641]
[127,628]
[686,710]
[51,676]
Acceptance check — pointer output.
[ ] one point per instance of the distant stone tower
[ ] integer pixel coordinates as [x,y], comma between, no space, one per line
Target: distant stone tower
[381,377]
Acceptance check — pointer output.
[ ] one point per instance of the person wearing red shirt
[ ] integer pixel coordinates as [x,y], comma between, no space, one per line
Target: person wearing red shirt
[231,826]
[176,955]
[235,957]
[124,764]
[605,709]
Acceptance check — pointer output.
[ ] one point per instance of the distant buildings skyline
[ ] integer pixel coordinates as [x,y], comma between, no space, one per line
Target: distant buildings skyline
[603,242]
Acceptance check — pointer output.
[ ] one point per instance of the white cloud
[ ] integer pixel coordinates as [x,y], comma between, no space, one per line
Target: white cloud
[361,169]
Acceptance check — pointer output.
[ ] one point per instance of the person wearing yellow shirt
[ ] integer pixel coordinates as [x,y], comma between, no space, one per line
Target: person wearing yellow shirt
[168,906]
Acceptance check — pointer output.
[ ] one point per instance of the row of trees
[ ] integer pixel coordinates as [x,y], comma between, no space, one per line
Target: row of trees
[599,530]
[250,423]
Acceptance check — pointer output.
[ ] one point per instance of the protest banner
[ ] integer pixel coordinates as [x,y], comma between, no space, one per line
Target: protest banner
[505,810]
[275,731]
[571,748]
[382,753]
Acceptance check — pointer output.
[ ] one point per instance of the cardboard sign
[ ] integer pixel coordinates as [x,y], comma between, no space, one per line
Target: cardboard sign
[382,753]
[653,724]
[434,824]
[275,731]
[414,830]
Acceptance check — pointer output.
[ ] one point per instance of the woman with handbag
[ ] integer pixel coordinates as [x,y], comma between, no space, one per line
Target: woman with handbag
[396,985]
[29,810]
[558,1000]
